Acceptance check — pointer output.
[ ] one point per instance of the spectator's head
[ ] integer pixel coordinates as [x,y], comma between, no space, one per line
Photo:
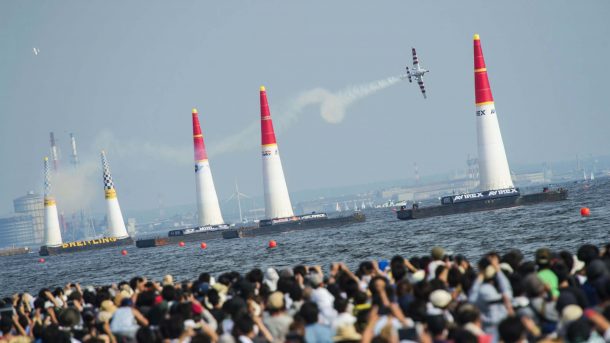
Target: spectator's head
[341,304]
[437,253]
[467,313]
[543,258]
[244,326]
[534,287]
[168,293]
[309,311]
[255,276]
[6,324]
[587,253]
[172,327]
[513,258]
[204,277]
[275,302]
[296,292]
[512,330]
[69,317]
[463,336]
[137,283]
[578,331]
[398,268]
[596,269]
[437,326]
[300,270]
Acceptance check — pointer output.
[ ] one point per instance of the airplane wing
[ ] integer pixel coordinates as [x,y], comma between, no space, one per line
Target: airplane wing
[415,59]
[422,87]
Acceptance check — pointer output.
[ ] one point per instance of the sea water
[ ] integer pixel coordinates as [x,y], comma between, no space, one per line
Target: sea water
[555,225]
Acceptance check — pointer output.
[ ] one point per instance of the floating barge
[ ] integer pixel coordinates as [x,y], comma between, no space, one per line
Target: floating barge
[87,245]
[481,201]
[304,222]
[199,233]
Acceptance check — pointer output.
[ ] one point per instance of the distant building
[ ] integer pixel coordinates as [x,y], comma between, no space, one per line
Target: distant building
[16,231]
[32,204]
[26,227]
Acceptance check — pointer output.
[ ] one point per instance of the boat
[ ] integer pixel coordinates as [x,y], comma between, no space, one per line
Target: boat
[302,222]
[481,201]
[86,245]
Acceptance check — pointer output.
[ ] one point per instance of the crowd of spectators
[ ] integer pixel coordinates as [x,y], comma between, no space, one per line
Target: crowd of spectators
[555,296]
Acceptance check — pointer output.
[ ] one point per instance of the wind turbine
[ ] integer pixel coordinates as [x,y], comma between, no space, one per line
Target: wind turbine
[238,195]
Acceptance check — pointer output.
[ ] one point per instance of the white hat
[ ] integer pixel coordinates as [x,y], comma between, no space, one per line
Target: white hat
[571,313]
[506,268]
[577,266]
[440,298]
[489,272]
[271,278]
[417,276]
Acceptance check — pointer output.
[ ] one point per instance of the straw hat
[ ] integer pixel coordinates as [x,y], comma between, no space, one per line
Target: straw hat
[168,280]
[347,333]
[108,306]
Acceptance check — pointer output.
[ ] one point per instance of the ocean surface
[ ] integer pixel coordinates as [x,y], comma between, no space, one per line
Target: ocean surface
[555,225]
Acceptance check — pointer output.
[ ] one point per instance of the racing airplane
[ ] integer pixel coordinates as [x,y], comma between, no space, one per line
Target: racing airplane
[417,72]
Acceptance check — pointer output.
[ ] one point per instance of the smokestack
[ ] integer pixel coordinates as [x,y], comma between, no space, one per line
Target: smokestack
[493,165]
[74,160]
[277,200]
[52,232]
[116,224]
[207,200]
[54,152]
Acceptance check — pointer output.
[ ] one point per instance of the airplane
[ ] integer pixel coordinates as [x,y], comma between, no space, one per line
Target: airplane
[36,51]
[417,72]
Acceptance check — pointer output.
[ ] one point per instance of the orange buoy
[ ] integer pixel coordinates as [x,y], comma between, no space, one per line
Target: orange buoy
[123,252]
[41,260]
[203,245]
[585,212]
[272,244]
[181,244]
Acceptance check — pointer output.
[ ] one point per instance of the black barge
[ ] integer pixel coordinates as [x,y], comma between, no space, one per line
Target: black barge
[199,233]
[481,201]
[86,245]
[303,222]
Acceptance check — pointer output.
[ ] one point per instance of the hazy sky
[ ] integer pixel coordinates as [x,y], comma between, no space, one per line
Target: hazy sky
[124,76]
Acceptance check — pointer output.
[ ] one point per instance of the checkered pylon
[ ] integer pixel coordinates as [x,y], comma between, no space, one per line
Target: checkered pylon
[47,178]
[108,184]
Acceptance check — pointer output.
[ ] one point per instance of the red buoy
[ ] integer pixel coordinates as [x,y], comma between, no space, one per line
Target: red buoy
[41,260]
[203,245]
[181,244]
[585,212]
[123,252]
[272,244]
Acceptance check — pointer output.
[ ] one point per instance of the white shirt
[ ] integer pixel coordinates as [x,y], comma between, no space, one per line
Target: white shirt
[325,301]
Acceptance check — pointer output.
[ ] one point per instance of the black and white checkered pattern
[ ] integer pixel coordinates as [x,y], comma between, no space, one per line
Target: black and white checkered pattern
[108,184]
[47,178]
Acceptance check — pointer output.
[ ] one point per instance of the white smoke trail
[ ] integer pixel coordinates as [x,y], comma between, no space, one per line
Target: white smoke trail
[74,189]
[333,108]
